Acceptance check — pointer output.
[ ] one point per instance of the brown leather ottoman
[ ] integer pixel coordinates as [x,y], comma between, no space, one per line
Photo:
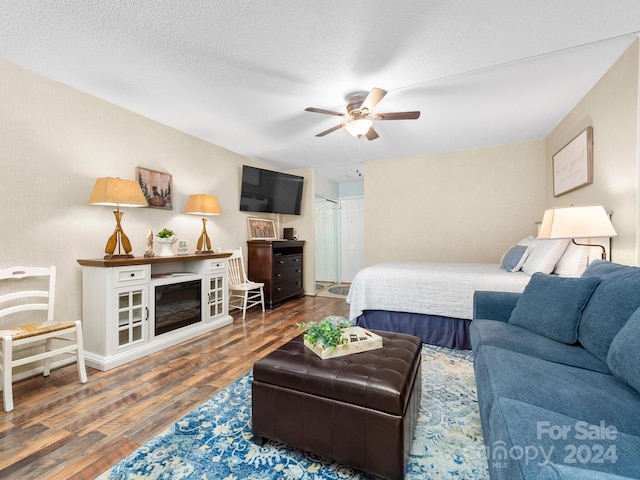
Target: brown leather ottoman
[359,409]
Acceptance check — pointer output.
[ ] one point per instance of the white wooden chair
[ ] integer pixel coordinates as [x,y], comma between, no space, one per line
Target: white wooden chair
[35,341]
[243,293]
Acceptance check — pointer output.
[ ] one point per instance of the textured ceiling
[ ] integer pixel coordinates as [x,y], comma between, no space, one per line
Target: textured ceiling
[240,73]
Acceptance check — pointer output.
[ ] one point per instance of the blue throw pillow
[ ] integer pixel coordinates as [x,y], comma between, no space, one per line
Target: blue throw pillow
[624,353]
[513,258]
[551,305]
[612,304]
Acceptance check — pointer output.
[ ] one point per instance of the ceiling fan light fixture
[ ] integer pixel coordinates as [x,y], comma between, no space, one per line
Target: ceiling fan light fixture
[359,126]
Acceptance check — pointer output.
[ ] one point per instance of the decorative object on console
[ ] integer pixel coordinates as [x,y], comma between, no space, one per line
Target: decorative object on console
[591,221]
[182,248]
[166,238]
[573,164]
[157,187]
[119,193]
[261,229]
[201,204]
[148,251]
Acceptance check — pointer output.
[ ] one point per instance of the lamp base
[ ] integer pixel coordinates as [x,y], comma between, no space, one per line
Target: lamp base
[117,256]
[203,252]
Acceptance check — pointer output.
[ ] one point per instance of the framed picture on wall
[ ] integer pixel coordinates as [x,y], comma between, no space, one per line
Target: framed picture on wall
[157,187]
[573,164]
[261,229]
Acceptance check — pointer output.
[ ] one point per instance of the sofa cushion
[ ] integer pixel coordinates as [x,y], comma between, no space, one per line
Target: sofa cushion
[533,437]
[624,354]
[551,306]
[552,471]
[576,392]
[610,306]
[517,339]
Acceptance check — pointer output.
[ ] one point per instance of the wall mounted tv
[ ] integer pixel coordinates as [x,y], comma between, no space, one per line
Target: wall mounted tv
[270,192]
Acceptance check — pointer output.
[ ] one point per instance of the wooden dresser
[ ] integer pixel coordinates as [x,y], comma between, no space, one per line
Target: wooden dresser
[277,264]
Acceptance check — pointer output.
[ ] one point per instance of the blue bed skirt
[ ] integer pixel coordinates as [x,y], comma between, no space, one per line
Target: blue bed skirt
[432,329]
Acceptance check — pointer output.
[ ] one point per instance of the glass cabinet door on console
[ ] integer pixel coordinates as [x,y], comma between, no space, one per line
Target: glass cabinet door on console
[216,289]
[132,316]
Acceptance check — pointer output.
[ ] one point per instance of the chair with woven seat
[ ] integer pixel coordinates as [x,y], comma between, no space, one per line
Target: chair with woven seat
[33,340]
[243,293]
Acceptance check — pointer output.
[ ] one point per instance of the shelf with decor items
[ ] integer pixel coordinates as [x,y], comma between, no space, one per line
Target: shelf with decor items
[132,307]
[277,264]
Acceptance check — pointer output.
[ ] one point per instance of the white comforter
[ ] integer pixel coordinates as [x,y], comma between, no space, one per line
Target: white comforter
[444,289]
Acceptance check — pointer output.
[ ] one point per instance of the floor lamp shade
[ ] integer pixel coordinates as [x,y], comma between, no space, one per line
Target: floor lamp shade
[201,204]
[119,193]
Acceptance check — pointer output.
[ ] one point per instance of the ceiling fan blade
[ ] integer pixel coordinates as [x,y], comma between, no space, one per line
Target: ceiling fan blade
[371,134]
[396,116]
[369,103]
[321,110]
[332,129]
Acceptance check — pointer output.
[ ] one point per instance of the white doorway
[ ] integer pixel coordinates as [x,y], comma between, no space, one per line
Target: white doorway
[351,237]
[326,248]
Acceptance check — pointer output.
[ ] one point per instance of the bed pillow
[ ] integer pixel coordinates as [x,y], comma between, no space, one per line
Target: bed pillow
[544,256]
[528,241]
[573,262]
[514,258]
[551,306]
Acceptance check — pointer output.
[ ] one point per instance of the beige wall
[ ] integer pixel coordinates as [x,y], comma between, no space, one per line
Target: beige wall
[463,206]
[56,141]
[611,107]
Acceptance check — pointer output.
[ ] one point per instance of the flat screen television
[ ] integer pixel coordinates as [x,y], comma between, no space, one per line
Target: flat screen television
[270,192]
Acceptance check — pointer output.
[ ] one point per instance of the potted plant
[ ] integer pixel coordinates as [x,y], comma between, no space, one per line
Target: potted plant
[325,334]
[166,238]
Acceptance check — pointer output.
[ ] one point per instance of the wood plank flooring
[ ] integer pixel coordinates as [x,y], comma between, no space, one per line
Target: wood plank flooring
[62,429]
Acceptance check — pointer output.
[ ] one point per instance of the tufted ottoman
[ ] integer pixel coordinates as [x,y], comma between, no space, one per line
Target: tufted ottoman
[359,409]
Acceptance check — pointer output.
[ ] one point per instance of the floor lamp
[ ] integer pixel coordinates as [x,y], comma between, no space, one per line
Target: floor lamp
[590,221]
[201,204]
[119,193]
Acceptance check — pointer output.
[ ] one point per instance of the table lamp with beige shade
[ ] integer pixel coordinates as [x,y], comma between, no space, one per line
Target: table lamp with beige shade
[201,204]
[117,192]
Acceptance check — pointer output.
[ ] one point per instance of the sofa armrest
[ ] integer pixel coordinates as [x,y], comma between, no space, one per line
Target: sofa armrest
[494,305]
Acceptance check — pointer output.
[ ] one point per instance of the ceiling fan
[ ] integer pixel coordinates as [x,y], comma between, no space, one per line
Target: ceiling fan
[359,116]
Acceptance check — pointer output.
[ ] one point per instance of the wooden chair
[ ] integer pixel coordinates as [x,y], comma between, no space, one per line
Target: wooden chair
[34,341]
[243,293]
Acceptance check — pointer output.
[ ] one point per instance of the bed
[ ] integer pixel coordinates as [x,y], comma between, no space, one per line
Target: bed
[434,301]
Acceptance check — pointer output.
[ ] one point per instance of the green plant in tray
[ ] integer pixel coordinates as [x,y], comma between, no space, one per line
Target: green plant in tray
[326,334]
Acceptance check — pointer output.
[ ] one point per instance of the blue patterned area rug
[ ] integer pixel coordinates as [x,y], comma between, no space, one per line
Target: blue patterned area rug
[215,440]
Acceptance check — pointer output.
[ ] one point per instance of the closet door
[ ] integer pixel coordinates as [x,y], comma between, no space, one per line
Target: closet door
[351,237]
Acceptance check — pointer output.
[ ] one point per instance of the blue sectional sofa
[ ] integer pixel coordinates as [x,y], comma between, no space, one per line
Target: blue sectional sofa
[558,375]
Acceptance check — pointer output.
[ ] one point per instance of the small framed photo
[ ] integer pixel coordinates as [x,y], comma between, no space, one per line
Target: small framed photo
[157,187]
[261,229]
[573,164]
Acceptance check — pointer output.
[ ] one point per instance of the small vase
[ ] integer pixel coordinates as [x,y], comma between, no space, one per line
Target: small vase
[166,244]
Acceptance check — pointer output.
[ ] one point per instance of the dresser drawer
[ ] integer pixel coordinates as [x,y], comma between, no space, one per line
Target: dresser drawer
[287,263]
[287,288]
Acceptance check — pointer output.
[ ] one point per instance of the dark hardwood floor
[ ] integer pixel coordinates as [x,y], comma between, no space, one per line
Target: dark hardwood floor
[62,429]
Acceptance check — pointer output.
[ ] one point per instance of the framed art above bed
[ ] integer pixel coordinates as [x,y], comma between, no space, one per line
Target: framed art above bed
[573,164]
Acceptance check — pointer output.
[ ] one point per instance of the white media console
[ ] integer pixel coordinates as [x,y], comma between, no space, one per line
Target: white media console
[133,307]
